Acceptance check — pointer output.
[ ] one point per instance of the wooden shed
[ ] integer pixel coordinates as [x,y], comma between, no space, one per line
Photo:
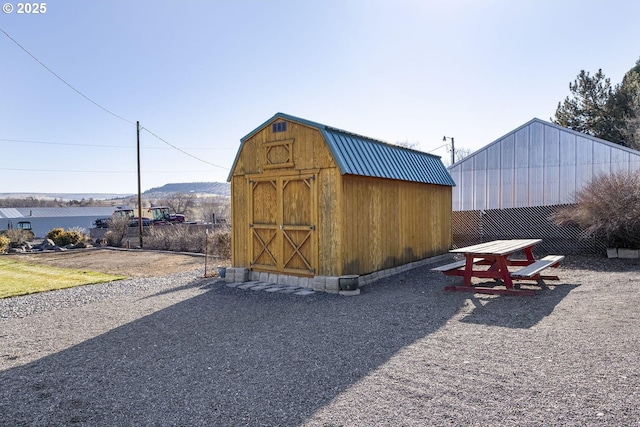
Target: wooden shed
[312,200]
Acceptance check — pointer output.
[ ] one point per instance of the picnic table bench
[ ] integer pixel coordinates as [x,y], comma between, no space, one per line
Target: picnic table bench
[533,269]
[497,255]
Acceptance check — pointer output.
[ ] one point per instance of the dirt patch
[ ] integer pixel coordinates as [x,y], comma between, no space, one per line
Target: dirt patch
[130,263]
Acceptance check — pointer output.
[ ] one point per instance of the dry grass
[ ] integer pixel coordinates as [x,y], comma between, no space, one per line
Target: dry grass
[609,208]
[179,238]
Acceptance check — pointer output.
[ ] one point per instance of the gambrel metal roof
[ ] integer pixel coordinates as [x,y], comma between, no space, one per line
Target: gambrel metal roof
[364,156]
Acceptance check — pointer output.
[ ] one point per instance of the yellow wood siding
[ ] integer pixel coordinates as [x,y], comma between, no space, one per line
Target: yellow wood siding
[329,222]
[392,222]
[309,155]
[350,225]
[239,210]
[308,146]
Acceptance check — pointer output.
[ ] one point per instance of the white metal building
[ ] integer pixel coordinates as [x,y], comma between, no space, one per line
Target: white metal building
[537,164]
[44,219]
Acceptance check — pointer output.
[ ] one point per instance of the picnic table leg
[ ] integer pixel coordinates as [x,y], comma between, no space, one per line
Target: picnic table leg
[504,272]
[529,253]
[468,268]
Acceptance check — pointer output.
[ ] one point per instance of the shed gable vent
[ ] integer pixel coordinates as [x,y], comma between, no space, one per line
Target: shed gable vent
[279,127]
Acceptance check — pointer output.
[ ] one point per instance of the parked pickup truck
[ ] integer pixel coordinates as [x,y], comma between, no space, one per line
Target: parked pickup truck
[155,215]
[121,213]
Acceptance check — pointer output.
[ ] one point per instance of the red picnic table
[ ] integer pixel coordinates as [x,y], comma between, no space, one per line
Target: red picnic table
[497,255]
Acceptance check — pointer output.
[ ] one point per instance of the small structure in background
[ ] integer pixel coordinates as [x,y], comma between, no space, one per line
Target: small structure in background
[42,220]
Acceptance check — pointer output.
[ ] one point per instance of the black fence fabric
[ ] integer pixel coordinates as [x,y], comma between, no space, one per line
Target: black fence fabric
[473,227]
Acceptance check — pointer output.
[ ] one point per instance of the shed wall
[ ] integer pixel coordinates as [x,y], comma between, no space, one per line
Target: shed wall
[390,222]
[239,221]
[330,205]
[308,153]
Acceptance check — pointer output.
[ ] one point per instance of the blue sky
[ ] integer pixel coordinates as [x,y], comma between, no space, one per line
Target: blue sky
[203,74]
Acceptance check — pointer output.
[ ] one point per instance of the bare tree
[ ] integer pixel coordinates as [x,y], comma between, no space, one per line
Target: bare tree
[407,144]
[462,153]
[220,207]
[118,230]
[181,202]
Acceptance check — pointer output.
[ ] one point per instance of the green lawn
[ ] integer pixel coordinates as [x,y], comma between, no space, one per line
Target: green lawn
[18,278]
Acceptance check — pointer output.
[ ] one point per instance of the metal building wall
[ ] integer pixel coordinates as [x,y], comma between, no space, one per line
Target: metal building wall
[537,164]
[44,219]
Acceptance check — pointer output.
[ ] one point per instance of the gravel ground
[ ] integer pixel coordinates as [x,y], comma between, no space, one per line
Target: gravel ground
[185,351]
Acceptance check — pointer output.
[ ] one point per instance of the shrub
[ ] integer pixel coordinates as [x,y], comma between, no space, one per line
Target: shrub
[113,238]
[220,243]
[608,208]
[54,234]
[63,237]
[118,230]
[18,236]
[4,243]
[159,237]
[180,238]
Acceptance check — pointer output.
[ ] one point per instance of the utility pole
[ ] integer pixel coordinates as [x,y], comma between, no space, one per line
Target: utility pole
[139,187]
[453,148]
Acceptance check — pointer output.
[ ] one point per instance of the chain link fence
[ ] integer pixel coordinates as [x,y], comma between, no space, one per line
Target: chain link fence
[473,227]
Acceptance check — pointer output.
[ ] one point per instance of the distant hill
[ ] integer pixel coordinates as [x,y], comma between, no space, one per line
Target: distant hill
[211,188]
[200,188]
[65,196]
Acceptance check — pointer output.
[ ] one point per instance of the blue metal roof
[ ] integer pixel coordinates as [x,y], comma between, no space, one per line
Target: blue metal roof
[360,155]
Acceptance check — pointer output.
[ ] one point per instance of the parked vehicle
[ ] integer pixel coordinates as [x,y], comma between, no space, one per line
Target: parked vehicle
[161,215]
[155,215]
[26,227]
[177,218]
[122,213]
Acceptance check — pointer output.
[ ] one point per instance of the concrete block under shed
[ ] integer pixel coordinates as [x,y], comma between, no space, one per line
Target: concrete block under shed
[332,285]
[305,282]
[628,253]
[319,283]
[230,276]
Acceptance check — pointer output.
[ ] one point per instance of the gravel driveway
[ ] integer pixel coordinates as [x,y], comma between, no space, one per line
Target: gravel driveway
[185,351]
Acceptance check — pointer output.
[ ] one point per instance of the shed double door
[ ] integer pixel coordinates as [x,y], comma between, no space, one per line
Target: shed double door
[282,224]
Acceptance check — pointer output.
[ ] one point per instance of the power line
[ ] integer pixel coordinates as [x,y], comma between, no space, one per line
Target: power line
[94,171]
[184,152]
[108,146]
[64,143]
[103,108]
[442,146]
[64,81]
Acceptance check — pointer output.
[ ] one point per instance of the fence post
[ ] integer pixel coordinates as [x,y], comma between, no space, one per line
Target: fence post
[206,249]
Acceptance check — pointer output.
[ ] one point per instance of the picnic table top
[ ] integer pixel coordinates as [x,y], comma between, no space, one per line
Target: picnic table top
[498,247]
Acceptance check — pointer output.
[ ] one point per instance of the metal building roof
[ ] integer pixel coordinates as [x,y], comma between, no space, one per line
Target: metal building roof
[97,211]
[364,156]
[537,164]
